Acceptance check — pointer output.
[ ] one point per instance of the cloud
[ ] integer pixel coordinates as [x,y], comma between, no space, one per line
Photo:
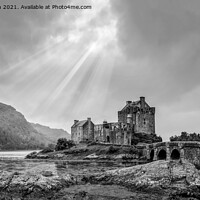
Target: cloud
[149,27]
[159,47]
[41,48]
[162,37]
[140,48]
[24,32]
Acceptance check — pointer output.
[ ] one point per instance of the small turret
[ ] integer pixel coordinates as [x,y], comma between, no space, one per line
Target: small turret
[129,118]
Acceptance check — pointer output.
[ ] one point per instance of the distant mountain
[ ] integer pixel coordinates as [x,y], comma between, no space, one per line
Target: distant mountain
[16,132]
[51,134]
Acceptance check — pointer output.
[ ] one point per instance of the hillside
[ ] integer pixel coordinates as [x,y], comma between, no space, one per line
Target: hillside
[51,133]
[16,132]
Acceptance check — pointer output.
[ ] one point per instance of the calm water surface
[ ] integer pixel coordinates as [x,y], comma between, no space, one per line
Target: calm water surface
[14,161]
[15,154]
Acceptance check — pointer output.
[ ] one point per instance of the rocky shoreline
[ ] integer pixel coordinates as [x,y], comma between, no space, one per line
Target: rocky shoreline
[164,180]
[91,152]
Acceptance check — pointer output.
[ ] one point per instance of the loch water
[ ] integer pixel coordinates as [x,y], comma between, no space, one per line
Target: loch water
[13,161]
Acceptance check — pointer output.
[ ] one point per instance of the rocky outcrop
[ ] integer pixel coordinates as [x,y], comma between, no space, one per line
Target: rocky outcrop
[164,180]
[173,177]
[41,181]
[86,153]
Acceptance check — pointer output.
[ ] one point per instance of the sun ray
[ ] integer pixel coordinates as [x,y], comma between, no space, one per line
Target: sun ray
[45,72]
[78,89]
[69,77]
[98,87]
[34,57]
[57,91]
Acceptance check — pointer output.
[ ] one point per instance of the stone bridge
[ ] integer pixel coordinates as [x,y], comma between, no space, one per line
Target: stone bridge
[188,150]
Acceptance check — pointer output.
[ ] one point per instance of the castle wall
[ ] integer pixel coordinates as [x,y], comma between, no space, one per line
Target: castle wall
[83,132]
[77,134]
[105,132]
[135,117]
[142,116]
[90,125]
[88,131]
[145,121]
[122,116]
[192,154]
[98,133]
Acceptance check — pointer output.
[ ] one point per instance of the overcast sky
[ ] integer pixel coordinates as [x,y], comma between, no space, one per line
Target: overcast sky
[61,65]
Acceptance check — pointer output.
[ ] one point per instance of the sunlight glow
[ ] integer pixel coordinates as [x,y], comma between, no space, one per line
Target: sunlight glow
[106,35]
[70,72]
[35,57]
[69,77]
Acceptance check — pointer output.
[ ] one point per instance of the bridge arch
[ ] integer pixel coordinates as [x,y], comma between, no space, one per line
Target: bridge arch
[175,154]
[152,154]
[162,155]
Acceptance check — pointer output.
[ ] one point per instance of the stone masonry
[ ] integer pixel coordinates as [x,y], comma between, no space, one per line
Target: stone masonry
[139,115]
[188,150]
[82,130]
[135,117]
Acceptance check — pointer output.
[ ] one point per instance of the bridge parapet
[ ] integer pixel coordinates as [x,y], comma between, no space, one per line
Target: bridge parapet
[189,150]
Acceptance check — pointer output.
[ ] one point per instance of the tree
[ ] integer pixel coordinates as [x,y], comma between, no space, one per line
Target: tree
[186,137]
[63,143]
[145,138]
[51,146]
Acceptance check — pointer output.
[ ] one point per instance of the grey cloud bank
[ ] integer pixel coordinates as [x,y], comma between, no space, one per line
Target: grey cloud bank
[150,48]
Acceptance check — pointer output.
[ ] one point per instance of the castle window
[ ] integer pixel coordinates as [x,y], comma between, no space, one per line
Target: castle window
[144,121]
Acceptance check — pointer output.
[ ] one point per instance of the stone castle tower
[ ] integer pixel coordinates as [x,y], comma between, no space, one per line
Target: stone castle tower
[138,116]
[135,117]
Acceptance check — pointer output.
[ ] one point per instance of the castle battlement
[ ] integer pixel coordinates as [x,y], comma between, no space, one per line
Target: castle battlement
[135,117]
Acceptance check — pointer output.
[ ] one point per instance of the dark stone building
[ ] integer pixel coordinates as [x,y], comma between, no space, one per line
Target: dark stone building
[82,130]
[106,132]
[138,116]
[135,117]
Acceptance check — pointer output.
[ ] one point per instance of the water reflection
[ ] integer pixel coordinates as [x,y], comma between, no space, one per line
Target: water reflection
[13,155]
[63,167]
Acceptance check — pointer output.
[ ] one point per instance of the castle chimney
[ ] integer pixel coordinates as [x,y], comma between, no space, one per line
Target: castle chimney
[105,124]
[128,102]
[75,121]
[142,101]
